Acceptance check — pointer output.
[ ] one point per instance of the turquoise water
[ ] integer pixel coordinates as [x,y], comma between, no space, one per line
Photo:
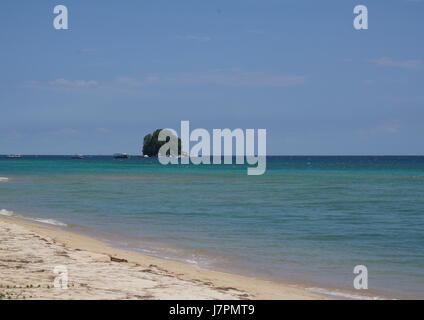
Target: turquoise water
[308,220]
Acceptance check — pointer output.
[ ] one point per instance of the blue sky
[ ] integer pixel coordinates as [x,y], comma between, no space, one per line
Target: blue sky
[297,68]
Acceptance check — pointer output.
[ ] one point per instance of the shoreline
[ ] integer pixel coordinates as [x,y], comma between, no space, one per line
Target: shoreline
[167,279]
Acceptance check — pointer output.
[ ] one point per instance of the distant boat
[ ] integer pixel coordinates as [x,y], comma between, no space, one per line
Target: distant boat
[121,156]
[78,156]
[14,156]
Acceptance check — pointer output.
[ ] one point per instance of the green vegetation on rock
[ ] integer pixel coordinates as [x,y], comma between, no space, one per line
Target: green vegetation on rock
[152,145]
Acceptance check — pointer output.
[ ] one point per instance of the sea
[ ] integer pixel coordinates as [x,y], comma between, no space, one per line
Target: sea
[308,221]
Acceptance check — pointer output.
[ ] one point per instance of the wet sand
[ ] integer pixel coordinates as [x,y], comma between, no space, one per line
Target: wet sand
[29,253]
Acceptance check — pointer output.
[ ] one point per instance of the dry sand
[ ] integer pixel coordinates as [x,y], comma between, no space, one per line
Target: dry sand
[29,253]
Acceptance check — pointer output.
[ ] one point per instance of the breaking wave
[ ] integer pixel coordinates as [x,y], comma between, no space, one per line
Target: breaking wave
[343,295]
[5,212]
[52,222]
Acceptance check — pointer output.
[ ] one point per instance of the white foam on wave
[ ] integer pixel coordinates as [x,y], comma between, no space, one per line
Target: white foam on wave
[340,294]
[4,179]
[52,222]
[5,212]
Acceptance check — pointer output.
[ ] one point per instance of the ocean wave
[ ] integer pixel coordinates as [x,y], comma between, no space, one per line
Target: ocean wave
[340,294]
[5,212]
[52,222]
[4,179]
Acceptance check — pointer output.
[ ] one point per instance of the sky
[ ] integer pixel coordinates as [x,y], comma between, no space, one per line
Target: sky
[296,68]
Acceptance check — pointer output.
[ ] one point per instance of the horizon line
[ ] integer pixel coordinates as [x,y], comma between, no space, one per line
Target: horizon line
[269,155]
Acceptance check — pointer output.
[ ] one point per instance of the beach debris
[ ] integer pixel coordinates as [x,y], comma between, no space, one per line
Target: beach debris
[113,259]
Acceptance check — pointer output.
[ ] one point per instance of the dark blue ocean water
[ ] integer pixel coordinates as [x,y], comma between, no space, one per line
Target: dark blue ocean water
[308,220]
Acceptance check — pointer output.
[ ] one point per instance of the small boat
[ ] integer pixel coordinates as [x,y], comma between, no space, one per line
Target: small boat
[77,156]
[121,156]
[14,156]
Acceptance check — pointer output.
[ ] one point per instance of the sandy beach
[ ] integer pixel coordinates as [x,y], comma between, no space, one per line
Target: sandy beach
[29,253]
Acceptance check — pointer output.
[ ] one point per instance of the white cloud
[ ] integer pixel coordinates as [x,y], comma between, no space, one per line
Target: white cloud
[62,84]
[391,126]
[67,132]
[73,83]
[228,78]
[102,130]
[407,64]
[237,78]
[385,127]
[223,78]
[132,82]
